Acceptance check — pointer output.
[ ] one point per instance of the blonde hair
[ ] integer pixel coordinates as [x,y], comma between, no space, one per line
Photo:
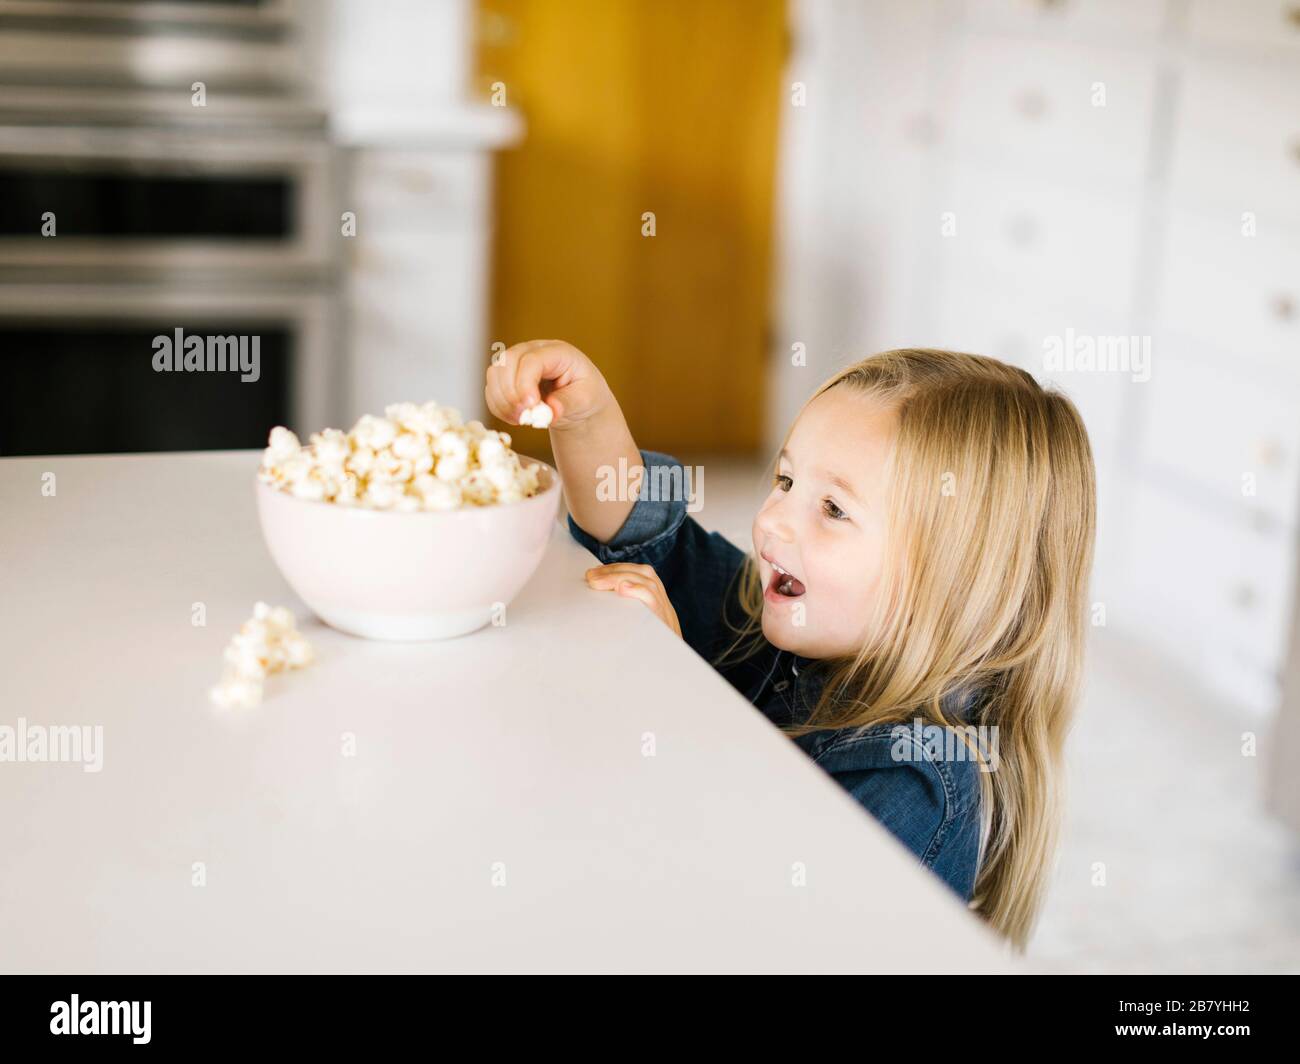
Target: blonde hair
[990,542]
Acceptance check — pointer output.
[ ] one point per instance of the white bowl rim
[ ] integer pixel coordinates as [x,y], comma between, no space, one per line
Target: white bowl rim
[459,511]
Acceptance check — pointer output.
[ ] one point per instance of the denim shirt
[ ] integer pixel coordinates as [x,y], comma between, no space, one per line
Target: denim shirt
[931,804]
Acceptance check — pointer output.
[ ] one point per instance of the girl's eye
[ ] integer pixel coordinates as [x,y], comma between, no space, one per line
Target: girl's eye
[783,482]
[832,511]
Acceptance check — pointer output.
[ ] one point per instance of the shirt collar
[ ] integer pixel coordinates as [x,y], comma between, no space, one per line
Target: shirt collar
[958,703]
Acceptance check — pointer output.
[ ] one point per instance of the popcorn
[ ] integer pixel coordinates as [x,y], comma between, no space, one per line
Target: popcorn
[491,451]
[265,644]
[416,457]
[437,494]
[283,444]
[330,447]
[539,416]
[374,432]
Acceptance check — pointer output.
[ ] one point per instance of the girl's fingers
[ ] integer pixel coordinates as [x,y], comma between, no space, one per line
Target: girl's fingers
[638,582]
[624,567]
[494,389]
[654,597]
[501,377]
[547,361]
[606,581]
[626,580]
[496,402]
[627,589]
[605,577]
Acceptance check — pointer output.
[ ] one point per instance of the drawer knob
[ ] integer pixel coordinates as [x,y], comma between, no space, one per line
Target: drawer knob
[1244,597]
[1284,307]
[1022,230]
[1269,453]
[1263,522]
[922,129]
[1293,16]
[1032,104]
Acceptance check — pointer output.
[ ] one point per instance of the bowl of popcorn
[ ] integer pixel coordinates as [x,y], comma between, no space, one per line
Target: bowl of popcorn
[410,526]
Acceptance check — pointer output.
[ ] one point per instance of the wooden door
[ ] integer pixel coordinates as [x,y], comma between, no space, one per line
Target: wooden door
[641,114]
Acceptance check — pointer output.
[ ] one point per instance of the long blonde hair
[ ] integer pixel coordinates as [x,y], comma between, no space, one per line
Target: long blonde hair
[990,545]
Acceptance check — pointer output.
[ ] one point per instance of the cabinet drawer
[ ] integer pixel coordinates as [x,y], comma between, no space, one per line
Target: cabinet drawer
[1117,20]
[1212,590]
[1046,242]
[1019,331]
[1210,426]
[1236,292]
[1263,24]
[1236,142]
[1030,106]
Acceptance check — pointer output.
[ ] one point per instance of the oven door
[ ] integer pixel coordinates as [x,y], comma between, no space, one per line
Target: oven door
[231,45]
[165,202]
[79,368]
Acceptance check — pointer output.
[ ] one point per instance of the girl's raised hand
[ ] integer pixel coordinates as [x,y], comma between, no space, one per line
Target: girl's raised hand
[548,371]
[639,582]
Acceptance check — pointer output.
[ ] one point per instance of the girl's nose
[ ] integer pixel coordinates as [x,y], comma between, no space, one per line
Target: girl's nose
[772,521]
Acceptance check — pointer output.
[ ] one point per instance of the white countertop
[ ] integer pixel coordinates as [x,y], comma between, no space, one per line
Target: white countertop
[515,750]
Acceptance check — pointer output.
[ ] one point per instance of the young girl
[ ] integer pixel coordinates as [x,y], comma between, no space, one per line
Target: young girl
[919,573]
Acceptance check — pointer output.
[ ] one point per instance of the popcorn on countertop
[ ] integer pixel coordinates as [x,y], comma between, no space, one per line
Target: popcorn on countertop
[267,643]
[415,457]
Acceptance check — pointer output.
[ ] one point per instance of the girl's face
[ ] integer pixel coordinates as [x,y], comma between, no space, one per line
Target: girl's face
[820,535]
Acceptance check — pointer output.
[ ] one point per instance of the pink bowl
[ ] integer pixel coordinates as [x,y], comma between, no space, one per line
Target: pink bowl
[408,577]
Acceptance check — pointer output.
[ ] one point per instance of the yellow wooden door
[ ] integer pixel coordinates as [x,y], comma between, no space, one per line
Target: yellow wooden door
[643,117]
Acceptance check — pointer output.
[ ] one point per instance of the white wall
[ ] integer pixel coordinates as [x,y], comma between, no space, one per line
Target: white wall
[415,164]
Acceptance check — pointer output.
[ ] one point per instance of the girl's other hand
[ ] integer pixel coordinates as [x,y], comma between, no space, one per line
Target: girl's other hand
[639,582]
[548,371]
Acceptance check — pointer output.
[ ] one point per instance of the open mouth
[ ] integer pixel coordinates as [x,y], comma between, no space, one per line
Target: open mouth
[785,584]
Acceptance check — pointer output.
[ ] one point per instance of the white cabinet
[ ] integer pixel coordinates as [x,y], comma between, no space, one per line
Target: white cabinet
[1116,170]
[1259,26]
[1210,588]
[1229,433]
[1047,106]
[1041,239]
[417,274]
[1236,136]
[418,181]
[1112,20]
[1239,293]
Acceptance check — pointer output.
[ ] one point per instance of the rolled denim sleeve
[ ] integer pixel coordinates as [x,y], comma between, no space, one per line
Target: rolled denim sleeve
[697,568]
[651,525]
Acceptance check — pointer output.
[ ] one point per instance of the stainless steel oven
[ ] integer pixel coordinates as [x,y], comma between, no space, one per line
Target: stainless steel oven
[246,45]
[134,208]
[166,201]
[79,368]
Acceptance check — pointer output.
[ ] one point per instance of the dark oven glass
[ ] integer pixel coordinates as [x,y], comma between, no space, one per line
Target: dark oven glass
[108,203]
[91,387]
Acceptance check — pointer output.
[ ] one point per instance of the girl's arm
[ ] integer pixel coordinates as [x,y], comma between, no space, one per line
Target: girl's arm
[650,546]
[693,569]
[583,451]
[589,434]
